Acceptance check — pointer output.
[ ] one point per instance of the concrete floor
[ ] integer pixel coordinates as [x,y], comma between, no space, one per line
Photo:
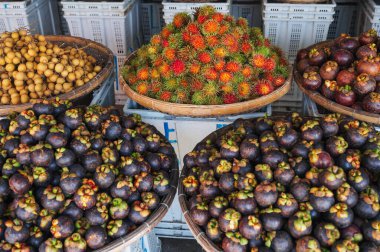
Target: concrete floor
[179,245]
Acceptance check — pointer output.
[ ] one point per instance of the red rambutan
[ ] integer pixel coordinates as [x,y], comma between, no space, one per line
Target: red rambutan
[270,64]
[193,28]
[186,36]
[142,88]
[156,86]
[201,19]
[165,96]
[228,40]
[197,42]
[229,98]
[232,67]
[229,18]
[132,79]
[169,53]
[219,65]
[242,22]
[178,67]
[194,68]
[210,73]
[204,57]
[143,73]
[165,43]
[210,27]
[212,41]
[247,72]
[218,17]
[181,19]
[224,29]
[246,47]
[258,61]
[263,87]
[184,83]
[279,81]
[196,84]
[268,76]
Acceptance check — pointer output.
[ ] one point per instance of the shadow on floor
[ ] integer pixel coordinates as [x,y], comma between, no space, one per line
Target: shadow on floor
[179,245]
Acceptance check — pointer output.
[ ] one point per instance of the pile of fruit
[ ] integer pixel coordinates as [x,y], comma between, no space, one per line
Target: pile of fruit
[213,59]
[75,179]
[32,68]
[287,184]
[347,71]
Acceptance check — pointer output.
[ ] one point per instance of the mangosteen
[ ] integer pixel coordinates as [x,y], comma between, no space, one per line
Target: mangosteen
[72,210]
[280,241]
[273,158]
[166,161]
[75,243]
[358,179]
[213,231]
[10,144]
[352,232]
[371,160]
[151,199]
[228,220]
[242,166]
[69,182]
[10,167]
[371,102]
[217,206]
[118,209]
[98,215]
[271,219]
[123,187]
[57,137]
[117,228]
[51,245]
[25,117]
[27,209]
[299,165]
[311,131]
[311,80]
[191,185]
[328,89]
[349,160]
[222,166]
[356,133]
[368,206]
[266,193]
[329,70]
[321,198]
[345,77]
[110,155]
[262,124]
[4,186]
[38,131]
[343,57]
[72,118]
[287,204]
[161,183]
[247,182]
[104,175]
[332,177]
[299,188]
[209,188]
[92,120]
[317,56]
[78,170]
[244,202]
[283,173]
[96,237]
[368,65]
[143,181]
[368,247]
[85,197]
[302,148]
[227,182]
[349,43]
[62,227]
[234,242]
[308,244]
[41,155]
[371,231]
[320,159]
[27,139]
[249,148]
[36,237]
[64,157]
[20,182]
[250,227]
[326,233]
[300,224]
[52,198]
[16,231]
[263,172]
[347,245]
[340,215]
[229,149]
[139,212]
[80,145]
[336,145]
[368,37]
[268,142]
[97,142]
[45,218]
[346,194]
[153,160]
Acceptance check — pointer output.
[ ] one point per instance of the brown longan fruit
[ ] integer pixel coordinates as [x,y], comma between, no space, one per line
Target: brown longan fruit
[24,98]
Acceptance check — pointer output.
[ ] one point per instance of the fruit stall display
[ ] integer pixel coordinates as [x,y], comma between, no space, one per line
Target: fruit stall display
[342,75]
[207,65]
[285,184]
[81,178]
[36,67]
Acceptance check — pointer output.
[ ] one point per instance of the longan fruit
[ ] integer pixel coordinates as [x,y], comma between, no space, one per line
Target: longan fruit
[38,88]
[11,55]
[59,68]
[47,92]
[97,69]
[31,88]
[5,99]
[19,83]
[24,98]
[79,83]
[44,59]
[22,32]
[41,38]
[29,65]
[48,73]
[51,86]
[10,67]
[20,76]
[23,92]
[64,73]
[53,78]
[70,77]
[33,95]
[16,61]
[58,87]
[60,80]
[67,86]
[32,52]
[75,62]
[2,61]
[21,68]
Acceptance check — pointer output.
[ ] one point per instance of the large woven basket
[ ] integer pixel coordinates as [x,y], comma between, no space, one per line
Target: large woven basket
[120,244]
[191,110]
[101,53]
[329,104]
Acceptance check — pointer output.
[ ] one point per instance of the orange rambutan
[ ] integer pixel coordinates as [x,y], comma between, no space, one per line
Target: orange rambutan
[143,73]
[132,79]
[194,68]
[192,28]
[242,22]
[196,84]
[227,88]
[181,19]
[142,88]
[212,41]
[155,73]
[178,67]
[218,17]
[186,36]
[201,19]
[247,71]
[232,67]
[233,48]
[225,77]
[244,89]
[219,65]
[258,61]
[279,81]
[263,87]
[197,42]
[204,57]
[158,61]
[270,64]
[165,96]
[228,40]
[164,69]
[156,39]
[169,53]
[224,28]
[210,73]
[229,98]
[246,47]
[184,83]
[166,31]
[220,52]
[210,27]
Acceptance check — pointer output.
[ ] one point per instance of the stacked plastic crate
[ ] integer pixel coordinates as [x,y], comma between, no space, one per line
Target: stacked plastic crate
[114,24]
[251,10]
[39,16]
[170,8]
[369,16]
[151,19]
[292,27]
[345,18]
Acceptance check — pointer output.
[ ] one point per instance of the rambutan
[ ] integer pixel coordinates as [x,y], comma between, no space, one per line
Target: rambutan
[169,53]
[193,28]
[186,53]
[263,50]
[178,67]
[198,98]
[210,73]
[204,57]
[225,77]
[279,81]
[232,67]
[156,86]
[244,89]
[228,40]
[197,42]
[171,84]
[219,65]
[210,89]
[229,98]
[224,28]
[165,43]
[229,18]
[142,88]
[166,31]
[218,17]
[183,82]
[194,68]
[143,73]
[181,19]
[258,61]
[246,47]
[201,19]
[263,87]
[175,40]
[164,69]
[247,71]
[210,27]
[156,39]
[181,95]
[196,84]
[220,52]
[233,48]
[186,36]
[212,41]
[165,96]
[152,50]
[227,88]
[132,79]
[270,64]
[269,76]
[154,73]
[242,22]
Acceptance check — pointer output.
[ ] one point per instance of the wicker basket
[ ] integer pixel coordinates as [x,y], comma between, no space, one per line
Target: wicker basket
[191,110]
[302,1]
[102,54]
[331,105]
[123,242]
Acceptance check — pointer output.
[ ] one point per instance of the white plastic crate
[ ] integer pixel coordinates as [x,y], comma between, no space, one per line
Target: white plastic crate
[63,23]
[369,16]
[171,8]
[39,16]
[151,19]
[295,26]
[147,243]
[294,94]
[251,11]
[287,106]
[345,19]
[115,25]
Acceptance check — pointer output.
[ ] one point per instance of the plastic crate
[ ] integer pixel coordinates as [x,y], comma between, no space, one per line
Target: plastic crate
[120,96]
[105,95]
[171,8]
[295,26]
[115,25]
[345,18]
[369,16]
[147,243]
[287,106]
[39,16]
[151,19]
[176,130]
[63,23]
[250,11]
